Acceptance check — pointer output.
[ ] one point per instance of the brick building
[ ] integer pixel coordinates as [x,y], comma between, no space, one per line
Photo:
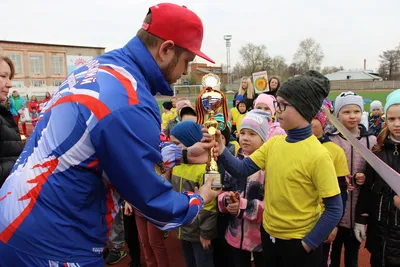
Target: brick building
[198,70]
[40,65]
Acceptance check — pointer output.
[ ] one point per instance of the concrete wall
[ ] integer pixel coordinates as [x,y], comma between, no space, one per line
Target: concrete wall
[364,85]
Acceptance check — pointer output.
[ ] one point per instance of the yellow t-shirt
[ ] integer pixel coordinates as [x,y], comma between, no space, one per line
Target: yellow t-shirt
[173,110]
[234,113]
[166,117]
[297,176]
[338,157]
[237,119]
[339,161]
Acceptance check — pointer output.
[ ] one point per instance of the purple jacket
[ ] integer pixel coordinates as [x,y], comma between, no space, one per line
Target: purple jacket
[357,164]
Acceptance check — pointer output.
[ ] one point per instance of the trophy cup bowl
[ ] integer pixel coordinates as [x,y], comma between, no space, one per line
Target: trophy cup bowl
[211,101]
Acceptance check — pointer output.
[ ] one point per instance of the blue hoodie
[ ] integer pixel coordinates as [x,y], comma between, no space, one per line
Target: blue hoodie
[97,136]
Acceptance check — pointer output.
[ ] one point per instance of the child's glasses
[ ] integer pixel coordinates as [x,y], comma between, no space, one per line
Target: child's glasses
[281,106]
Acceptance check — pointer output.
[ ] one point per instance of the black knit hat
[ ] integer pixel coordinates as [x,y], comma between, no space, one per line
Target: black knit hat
[167,105]
[306,93]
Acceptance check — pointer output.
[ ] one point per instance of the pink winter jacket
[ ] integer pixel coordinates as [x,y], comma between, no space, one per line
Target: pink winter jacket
[244,229]
[356,164]
[274,128]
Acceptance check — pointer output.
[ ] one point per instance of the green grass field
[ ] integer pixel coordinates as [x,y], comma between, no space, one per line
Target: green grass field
[367,95]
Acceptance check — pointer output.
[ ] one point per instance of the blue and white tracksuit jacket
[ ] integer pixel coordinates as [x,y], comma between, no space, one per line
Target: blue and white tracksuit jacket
[98,135]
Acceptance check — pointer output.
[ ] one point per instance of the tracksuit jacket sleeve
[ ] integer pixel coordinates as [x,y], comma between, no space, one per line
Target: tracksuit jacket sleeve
[130,155]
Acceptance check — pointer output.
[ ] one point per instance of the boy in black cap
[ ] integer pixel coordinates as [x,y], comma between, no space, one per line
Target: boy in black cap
[299,172]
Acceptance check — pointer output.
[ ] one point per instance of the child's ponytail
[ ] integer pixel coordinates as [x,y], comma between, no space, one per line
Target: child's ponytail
[380,140]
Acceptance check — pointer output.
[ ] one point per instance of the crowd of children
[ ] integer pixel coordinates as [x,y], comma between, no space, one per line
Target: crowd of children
[23,112]
[295,192]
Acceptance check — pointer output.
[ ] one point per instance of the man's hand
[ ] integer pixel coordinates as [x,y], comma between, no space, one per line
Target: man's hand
[199,152]
[205,243]
[331,236]
[206,192]
[128,209]
[220,143]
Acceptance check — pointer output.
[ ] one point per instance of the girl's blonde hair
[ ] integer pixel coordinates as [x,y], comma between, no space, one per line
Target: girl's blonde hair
[383,135]
[380,140]
[250,89]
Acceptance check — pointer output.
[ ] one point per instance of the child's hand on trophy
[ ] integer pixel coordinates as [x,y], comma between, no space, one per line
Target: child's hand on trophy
[219,143]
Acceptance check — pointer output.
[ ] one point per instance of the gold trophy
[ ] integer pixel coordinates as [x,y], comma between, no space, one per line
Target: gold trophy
[210,102]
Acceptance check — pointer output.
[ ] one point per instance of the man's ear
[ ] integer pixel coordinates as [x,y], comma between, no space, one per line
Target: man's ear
[166,50]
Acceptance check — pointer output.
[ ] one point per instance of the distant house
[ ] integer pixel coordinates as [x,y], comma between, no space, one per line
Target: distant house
[354,75]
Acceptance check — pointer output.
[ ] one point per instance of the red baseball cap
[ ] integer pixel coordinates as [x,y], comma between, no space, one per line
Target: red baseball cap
[179,24]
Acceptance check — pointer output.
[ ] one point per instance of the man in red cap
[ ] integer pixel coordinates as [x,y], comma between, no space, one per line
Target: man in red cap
[98,137]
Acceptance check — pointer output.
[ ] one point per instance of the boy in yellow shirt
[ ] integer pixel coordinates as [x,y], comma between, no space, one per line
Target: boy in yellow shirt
[299,172]
[339,161]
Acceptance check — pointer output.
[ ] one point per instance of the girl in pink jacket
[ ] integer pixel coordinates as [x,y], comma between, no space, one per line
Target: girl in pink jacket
[266,102]
[246,200]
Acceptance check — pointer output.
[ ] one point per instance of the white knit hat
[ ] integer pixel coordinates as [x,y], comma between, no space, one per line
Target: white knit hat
[348,98]
[257,120]
[376,104]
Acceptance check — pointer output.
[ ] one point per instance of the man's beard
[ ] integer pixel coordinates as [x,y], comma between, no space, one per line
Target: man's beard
[169,69]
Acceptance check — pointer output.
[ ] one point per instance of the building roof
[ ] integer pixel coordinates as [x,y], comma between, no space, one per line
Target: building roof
[353,75]
[216,70]
[46,44]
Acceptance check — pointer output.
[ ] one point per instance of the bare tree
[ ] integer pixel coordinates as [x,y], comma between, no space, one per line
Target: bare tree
[254,58]
[390,63]
[309,55]
[279,67]
[238,71]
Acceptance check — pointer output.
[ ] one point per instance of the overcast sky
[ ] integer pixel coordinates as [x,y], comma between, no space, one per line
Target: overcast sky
[348,30]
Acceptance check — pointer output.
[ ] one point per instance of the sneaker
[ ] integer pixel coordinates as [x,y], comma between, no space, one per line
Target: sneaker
[115,256]
[166,234]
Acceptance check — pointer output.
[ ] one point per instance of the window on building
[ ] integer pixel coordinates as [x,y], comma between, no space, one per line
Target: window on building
[38,83]
[57,64]
[17,60]
[57,82]
[36,64]
[17,84]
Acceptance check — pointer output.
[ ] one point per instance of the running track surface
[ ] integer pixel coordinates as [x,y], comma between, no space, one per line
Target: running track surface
[174,249]
[176,260]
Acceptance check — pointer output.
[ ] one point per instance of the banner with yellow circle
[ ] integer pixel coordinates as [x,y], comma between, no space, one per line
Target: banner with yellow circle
[260,81]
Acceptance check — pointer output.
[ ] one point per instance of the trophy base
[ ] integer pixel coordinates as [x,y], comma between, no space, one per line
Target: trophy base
[216,176]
